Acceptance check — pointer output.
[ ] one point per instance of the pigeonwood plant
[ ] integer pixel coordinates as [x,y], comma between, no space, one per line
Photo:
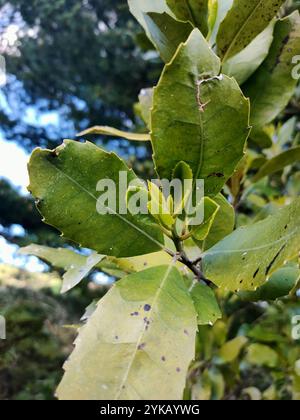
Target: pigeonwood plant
[229,72]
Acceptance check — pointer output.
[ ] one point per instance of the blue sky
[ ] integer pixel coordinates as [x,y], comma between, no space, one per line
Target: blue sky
[13,166]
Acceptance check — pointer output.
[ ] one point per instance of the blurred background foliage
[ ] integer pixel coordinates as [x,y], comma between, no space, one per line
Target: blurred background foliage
[86,61]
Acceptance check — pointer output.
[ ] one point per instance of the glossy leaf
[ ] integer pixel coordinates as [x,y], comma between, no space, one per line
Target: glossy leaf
[245,259]
[271,87]
[278,163]
[191,118]
[244,21]
[64,182]
[206,304]
[242,65]
[134,328]
[167,33]
[109,131]
[194,11]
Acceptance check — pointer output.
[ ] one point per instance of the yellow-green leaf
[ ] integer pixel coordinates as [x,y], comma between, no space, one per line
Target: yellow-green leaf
[64,182]
[191,118]
[146,323]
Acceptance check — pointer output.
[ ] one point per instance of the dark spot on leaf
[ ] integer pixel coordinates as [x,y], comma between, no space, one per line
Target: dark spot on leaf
[147,308]
[186,332]
[134,314]
[216,174]
[256,272]
[178,369]
[142,346]
[268,269]
[163,358]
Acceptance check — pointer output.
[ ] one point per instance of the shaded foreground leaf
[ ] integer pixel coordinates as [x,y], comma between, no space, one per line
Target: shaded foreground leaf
[64,183]
[245,259]
[146,321]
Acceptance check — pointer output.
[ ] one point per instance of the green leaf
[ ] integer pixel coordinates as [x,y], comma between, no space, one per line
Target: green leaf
[245,63]
[271,87]
[231,350]
[278,163]
[109,131]
[145,327]
[211,209]
[206,304]
[223,223]
[245,20]
[245,259]
[77,266]
[167,33]
[139,10]
[280,284]
[64,182]
[260,355]
[191,118]
[193,11]
[145,101]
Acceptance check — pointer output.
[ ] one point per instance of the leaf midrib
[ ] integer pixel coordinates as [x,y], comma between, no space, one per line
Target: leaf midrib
[132,225]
